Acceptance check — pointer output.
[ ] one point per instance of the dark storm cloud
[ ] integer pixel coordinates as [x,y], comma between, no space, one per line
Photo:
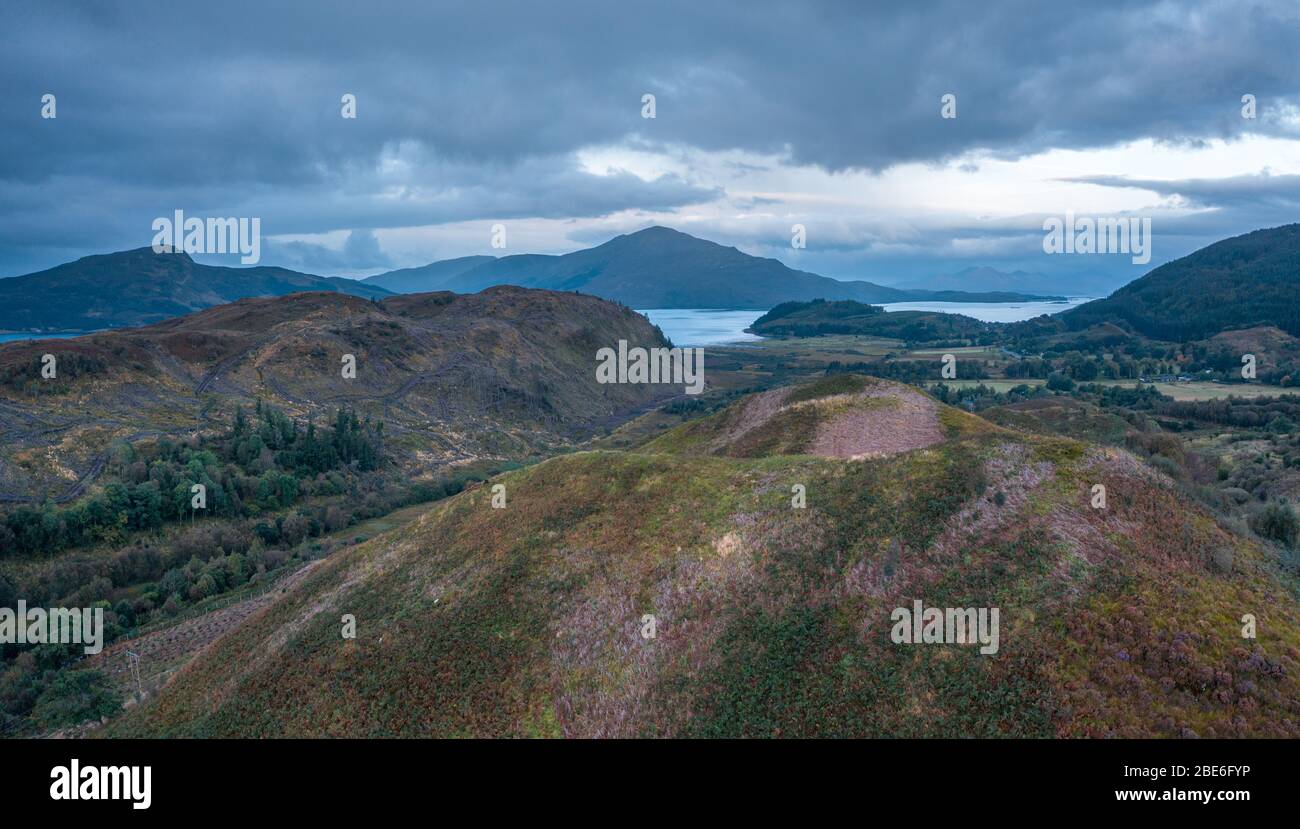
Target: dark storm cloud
[232,108]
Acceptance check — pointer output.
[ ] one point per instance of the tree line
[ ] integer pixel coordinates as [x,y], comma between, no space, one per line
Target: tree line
[252,468]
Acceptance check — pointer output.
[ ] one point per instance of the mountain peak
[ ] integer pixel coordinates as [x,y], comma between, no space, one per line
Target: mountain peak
[658,234]
[659,231]
[135,254]
[139,286]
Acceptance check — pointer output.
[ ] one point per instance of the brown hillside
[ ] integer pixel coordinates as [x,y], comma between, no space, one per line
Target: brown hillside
[504,373]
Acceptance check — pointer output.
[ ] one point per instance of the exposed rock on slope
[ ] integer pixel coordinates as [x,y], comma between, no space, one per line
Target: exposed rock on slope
[846,416]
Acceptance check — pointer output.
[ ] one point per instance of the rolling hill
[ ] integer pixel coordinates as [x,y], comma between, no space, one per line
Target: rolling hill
[654,268]
[663,268]
[138,287]
[501,374]
[432,277]
[1242,282]
[677,590]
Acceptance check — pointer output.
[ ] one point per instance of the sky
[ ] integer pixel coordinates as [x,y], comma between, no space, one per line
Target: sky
[531,115]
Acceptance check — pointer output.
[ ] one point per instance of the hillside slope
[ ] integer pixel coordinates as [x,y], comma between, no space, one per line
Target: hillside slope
[432,277]
[771,620]
[1245,281]
[138,287]
[504,373]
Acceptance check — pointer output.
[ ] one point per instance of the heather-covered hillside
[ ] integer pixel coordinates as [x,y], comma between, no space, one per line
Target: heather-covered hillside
[771,619]
[504,373]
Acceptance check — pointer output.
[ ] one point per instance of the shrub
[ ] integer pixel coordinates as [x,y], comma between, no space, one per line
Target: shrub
[74,697]
[173,604]
[204,587]
[1277,522]
[1168,466]
[1057,381]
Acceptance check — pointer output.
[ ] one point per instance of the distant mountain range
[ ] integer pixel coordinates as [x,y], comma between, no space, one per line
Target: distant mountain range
[1245,281]
[984,278]
[654,268]
[139,287]
[663,268]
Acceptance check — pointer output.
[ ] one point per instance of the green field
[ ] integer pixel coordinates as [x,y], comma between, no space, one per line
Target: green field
[1208,391]
[986,351]
[1178,391]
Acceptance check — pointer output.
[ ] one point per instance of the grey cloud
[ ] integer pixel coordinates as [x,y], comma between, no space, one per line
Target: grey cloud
[1215,208]
[232,108]
[1237,191]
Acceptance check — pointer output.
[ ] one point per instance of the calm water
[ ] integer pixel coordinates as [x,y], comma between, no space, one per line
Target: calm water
[703,326]
[991,311]
[8,338]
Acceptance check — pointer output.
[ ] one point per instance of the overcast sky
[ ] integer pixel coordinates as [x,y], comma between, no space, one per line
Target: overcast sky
[530,114]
